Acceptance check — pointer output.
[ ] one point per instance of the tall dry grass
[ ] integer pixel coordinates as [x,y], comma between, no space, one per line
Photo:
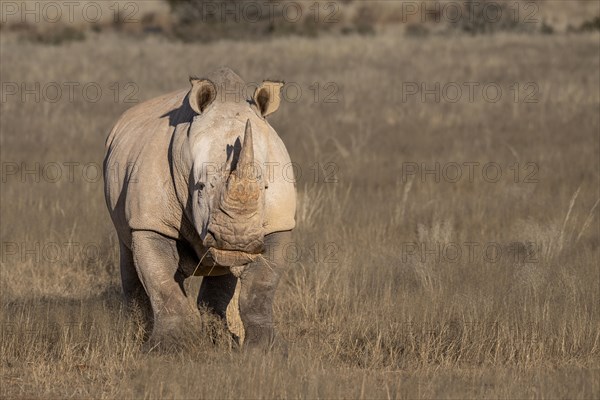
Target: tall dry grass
[366,314]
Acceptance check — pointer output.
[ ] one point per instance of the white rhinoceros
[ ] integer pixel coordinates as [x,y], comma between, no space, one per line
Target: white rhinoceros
[195,185]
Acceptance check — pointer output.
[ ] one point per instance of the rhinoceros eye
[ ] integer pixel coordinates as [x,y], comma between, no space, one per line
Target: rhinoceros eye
[200,186]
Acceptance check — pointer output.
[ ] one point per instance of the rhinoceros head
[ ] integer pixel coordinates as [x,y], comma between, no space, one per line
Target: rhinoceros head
[229,144]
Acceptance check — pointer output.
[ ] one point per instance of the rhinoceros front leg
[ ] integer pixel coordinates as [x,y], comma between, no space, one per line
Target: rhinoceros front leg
[258,284]
[133,291]
[156,261]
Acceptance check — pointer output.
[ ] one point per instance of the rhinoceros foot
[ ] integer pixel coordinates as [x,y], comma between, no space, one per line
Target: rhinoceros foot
[172,335]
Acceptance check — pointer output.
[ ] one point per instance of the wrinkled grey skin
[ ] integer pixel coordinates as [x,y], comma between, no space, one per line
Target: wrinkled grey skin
[188,193]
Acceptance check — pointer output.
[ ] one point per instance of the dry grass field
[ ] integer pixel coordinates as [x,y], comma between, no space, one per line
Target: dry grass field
[405,282]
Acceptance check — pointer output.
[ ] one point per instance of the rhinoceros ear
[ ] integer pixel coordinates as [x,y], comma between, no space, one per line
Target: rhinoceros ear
[267,97]
[202,94]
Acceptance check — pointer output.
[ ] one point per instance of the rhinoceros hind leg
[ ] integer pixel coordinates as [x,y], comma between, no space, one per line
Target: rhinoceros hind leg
[215,295]
[156,261]
[216,292]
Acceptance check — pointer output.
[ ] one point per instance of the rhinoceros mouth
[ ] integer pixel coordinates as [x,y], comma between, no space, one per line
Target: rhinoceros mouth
[231,258]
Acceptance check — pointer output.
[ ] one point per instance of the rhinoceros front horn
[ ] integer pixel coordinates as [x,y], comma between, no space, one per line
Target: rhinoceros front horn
[242,191]
[246,161]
